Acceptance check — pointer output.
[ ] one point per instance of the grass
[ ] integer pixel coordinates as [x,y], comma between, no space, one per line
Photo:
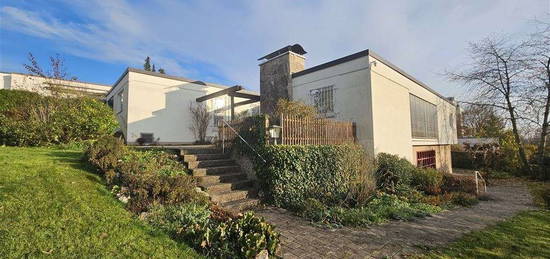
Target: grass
[51,204]
[527,235]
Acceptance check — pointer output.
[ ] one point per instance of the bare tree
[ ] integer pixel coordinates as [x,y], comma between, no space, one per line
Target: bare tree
[481,121]
[200,117]
[495,79]
[539,76]
[57,68]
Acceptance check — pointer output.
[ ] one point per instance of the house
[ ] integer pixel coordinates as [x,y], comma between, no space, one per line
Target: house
[42,85]
[393,111]
[155,106]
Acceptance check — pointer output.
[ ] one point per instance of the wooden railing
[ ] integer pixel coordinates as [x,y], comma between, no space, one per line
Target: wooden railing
[305,131]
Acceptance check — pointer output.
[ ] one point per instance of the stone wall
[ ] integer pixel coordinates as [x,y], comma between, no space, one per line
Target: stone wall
[275,79]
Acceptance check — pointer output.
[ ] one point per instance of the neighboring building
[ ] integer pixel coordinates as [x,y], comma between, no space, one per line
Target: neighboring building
[394,112]
[477,141]
[42,85]
[148,103]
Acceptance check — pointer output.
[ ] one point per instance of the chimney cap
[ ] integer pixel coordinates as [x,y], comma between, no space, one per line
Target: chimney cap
[296,48]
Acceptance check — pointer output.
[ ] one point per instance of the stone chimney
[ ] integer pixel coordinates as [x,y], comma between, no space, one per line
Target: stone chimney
[276,75]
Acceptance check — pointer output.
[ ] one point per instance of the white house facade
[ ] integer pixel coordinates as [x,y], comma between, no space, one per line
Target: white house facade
[394,112]
[149,103]
[18,81]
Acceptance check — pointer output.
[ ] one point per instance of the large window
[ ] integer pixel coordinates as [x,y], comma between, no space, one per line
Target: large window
[323,99]
[423,118]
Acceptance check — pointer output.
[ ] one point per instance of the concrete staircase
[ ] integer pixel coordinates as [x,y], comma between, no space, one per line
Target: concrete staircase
[220,177]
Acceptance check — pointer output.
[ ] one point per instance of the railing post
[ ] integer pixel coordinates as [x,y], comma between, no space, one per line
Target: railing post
[477,188]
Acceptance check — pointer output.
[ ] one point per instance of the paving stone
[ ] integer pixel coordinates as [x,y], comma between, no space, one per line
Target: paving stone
[396,239]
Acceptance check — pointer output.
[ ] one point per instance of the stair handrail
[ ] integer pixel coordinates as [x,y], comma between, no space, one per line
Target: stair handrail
[239,135]
[476,173]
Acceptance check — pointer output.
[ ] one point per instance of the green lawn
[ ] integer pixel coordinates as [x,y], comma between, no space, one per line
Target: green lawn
[52,205]
[527,235]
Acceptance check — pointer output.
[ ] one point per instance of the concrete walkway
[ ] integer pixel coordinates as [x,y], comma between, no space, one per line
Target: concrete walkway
[300,239]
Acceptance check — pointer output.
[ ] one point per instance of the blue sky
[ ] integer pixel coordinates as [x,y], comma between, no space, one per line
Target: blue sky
[220,41]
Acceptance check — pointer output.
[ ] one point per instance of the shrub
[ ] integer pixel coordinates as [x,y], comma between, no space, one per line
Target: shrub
[360,170]
[149,177]
[427,180]
[458,183]
[464,199]
[296,173]
[106,152]
[541,194]
[294,108]
[241,237]
[29,119]
[392,172]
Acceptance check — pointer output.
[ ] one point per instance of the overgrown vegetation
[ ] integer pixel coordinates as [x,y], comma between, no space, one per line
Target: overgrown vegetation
[338,185]
[30,119]
[239,237]
[155,183]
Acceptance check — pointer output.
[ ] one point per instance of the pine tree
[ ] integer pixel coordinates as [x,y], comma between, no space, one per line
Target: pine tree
[154,69]
[147,65]
[161,70]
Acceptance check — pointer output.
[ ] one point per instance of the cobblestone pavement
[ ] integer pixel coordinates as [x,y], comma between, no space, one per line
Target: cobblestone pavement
[396,239]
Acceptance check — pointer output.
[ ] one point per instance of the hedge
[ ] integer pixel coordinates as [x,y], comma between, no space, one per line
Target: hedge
[293,174]
[29,119]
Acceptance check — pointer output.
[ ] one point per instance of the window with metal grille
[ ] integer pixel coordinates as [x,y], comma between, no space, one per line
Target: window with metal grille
[425,159]
[423,118]
[323,99]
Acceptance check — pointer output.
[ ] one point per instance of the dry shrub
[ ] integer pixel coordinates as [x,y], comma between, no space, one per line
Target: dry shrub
[459,183]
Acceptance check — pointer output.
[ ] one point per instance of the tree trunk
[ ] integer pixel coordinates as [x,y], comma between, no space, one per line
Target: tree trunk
[521,150]
[544,128]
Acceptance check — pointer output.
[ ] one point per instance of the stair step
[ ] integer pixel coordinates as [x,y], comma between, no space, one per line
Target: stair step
[216,170]
[197,151]
[228,186]
[200,157]
[209,163]
[213,179]
[224,197]
[240,205]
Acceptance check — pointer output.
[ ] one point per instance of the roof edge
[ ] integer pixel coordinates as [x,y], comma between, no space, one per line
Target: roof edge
[371,53]
[405,74]
[76,81]
[178,78]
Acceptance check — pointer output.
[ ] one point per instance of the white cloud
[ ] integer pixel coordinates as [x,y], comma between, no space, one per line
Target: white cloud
[422,37]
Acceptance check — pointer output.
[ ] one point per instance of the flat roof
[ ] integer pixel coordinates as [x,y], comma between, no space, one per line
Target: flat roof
[371,53]
[179,78]
[76,81]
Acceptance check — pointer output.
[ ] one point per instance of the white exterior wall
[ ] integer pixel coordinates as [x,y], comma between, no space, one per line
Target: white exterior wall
[392,120]
[352,95]
[384,77]
[376,98]
[160,106]
[38,84]
[120,107]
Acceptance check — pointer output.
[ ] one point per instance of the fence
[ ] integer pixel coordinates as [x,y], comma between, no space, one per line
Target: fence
[305,131]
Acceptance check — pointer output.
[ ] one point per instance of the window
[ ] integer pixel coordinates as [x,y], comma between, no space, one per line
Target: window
[323,99]
[423,118]
[425,159]
[120,97]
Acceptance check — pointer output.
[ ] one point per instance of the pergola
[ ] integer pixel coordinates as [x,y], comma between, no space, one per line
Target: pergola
[232,92]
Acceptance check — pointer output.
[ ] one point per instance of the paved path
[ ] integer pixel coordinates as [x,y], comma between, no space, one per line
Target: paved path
[300,239]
